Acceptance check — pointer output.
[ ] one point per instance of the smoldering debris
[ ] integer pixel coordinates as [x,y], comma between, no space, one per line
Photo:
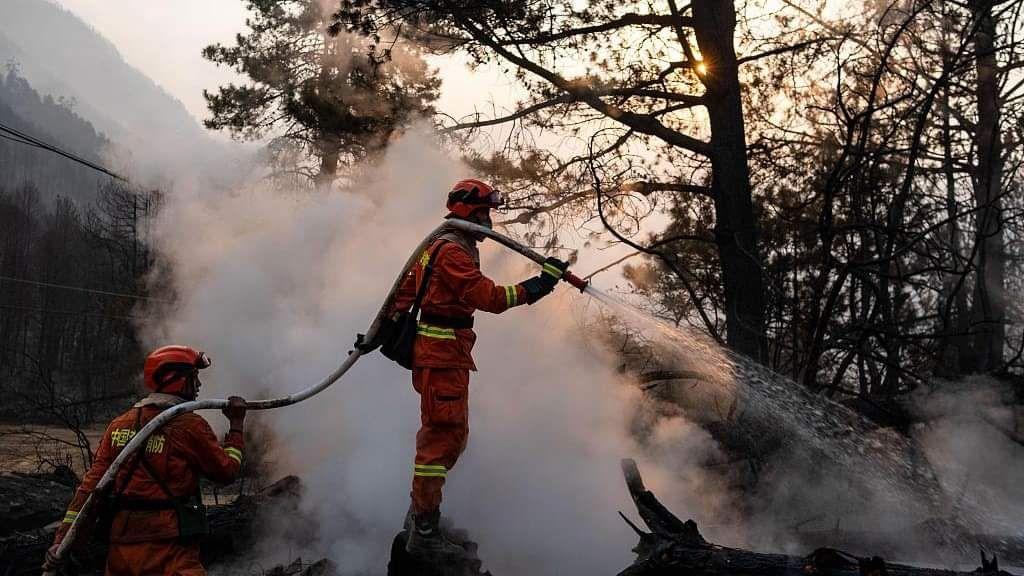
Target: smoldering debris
[673,546]
[36,502]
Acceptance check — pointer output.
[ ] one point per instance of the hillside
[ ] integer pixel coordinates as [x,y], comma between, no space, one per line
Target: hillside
[153,136]
[54,121]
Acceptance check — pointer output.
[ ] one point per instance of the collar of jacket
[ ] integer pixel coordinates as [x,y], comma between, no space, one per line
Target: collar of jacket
[160,400]
[465,241]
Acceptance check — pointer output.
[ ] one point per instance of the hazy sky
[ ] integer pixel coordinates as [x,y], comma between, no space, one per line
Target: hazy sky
[164,39]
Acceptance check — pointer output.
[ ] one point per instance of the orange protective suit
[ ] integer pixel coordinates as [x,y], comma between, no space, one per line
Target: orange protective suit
[145,541]
[442,357]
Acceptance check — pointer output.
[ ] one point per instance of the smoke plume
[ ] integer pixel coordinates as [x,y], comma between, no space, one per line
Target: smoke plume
[275,287]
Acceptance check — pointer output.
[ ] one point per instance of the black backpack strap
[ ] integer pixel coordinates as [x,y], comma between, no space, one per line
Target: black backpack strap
[156,478]
[140,458]
[118,495]
[428,271]
[135,463]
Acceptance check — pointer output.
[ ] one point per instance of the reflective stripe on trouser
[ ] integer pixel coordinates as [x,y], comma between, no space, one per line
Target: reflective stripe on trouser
[430,471]
[444,430]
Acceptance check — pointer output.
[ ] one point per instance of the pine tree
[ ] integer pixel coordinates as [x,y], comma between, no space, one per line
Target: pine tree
[317,95]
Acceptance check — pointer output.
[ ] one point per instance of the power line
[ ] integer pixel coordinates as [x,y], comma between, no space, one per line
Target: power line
[17,140]
[80,289]
[69,312]
[32,141]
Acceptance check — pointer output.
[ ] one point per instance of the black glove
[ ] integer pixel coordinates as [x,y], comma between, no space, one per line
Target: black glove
[386,330]
[235,411]
[542,284]
[363,345]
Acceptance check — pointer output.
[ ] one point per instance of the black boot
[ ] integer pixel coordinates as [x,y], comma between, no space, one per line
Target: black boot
[426,539]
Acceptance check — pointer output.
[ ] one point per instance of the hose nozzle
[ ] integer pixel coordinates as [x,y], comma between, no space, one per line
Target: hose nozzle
[575,280]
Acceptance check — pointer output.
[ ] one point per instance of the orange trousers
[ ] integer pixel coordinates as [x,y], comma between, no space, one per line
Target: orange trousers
[159,558]
[444,430]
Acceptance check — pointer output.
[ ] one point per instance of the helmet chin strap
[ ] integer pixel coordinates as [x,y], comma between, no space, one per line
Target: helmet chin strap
[483,218]
[194,384]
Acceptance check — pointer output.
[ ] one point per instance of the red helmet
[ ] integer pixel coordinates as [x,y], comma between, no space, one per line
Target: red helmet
[170,368]
[468,196]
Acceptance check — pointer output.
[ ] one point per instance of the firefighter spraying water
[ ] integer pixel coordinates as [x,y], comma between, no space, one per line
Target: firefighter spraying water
[152,509]
[436,302]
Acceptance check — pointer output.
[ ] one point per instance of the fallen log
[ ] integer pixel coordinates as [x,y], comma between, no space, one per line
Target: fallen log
[30,501]
[323,567]
[921,537]
[234,528]
[673,547]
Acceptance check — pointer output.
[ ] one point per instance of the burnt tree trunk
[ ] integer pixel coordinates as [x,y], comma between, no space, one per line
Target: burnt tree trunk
[735,223]
[988,314]
[329,147]
[953,320]
[330,154]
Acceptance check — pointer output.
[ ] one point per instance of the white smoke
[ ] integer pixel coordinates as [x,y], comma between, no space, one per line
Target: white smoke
[275,288]
[971,435]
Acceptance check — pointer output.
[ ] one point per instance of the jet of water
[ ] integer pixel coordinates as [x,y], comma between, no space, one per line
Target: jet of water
[826,456]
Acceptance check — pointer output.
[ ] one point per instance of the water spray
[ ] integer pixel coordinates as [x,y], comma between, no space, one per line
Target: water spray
[140,437]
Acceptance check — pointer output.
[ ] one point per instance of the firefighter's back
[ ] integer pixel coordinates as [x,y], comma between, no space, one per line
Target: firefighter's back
[152,513]
[151,484]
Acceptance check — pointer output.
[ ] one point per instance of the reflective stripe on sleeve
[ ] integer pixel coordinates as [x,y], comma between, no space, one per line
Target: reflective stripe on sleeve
[233,453]
[429,471]
[435,331]
[69,517]
[511,296]
[552,271]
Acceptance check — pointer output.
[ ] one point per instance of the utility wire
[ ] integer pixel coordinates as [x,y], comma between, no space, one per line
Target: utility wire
[31,141]
[69,312]
[80,289]
[17,140]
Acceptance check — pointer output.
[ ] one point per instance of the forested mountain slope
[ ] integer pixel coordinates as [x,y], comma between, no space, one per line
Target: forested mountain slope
[152,135]
[53,121]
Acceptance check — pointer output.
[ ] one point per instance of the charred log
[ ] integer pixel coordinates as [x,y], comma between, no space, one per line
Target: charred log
[30,501]
[322,567]
[673,547]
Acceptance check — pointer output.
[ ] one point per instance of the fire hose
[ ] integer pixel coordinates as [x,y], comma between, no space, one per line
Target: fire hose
[144,433]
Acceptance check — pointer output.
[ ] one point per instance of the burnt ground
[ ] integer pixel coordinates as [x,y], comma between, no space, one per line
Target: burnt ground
[30,448]
[667,546]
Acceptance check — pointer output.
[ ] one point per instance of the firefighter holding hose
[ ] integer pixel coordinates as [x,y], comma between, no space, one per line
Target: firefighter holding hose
[447,286]
[153,515]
